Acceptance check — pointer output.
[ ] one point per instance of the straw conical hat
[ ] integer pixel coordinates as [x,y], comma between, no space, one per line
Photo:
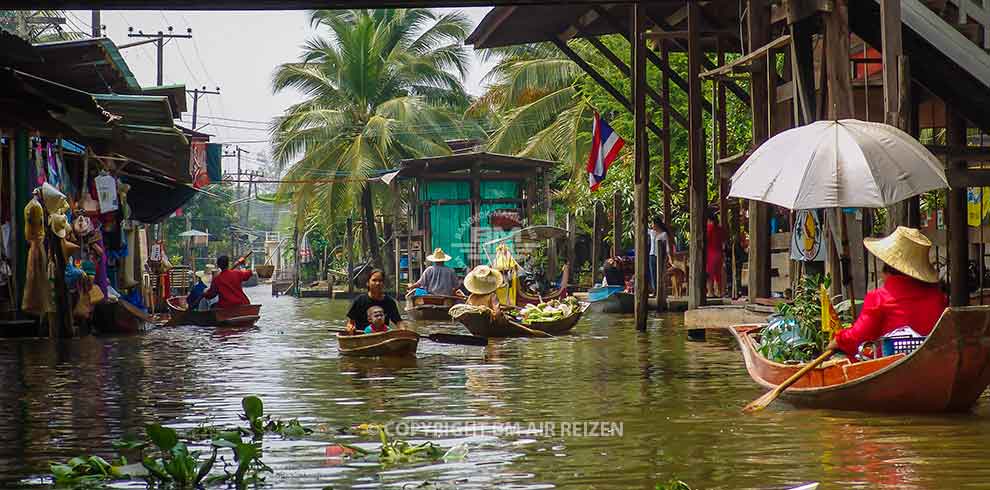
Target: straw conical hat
[438,256]
[906,249]
[483,280]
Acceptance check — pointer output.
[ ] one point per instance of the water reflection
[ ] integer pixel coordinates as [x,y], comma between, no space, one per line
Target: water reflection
[677,403]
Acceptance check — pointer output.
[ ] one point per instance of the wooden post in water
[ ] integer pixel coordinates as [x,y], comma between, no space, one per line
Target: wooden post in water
[955,203]
[721,115]
[616,224]
[759,219]
[572,268]
[596,242]
[552,265]
[641,177]
[349,243]
[698,173]
[668,217]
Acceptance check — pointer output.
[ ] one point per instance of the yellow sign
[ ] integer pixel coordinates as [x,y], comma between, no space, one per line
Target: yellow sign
[977,205]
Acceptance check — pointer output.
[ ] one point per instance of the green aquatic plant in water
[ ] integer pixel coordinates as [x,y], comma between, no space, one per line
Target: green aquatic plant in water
[397,451]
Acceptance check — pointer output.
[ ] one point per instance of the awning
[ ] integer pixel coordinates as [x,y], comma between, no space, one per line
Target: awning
[93,65]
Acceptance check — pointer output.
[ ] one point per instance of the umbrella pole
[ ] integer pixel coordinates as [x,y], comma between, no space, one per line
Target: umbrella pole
[844,261]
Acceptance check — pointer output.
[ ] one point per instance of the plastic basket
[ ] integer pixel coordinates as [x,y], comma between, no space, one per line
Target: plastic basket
[901,345]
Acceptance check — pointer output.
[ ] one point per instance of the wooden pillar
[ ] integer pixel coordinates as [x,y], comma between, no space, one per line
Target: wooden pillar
[552,264]
[596,242]
[349,243]
[571,244]
[616,224]
[530,201]
[759,218]
[892,56]
[955,203]
[665,90]
[721,115]
[641,177]
[697,170]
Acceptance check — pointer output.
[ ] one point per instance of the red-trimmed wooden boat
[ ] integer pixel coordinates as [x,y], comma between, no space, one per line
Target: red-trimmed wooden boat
[947,373]
[393,343]
[431,307]
[243,316]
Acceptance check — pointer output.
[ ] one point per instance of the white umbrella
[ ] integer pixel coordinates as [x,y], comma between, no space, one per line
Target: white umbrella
[833,164]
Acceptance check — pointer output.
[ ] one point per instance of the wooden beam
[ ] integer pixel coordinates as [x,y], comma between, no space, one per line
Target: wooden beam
[676,18]
[748,57]
[798,10]
[803,71]
[641,173]
[839,86]
[961,178]
[600,80]
[955,203]
[890,27]
[966,154]
[661,100]
[759,221]
[721,116]
[697,171]
[667,160]
[663,34]
[650,55]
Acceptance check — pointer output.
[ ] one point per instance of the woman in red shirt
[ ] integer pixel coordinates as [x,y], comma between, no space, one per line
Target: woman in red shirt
[910,295]
[227,284]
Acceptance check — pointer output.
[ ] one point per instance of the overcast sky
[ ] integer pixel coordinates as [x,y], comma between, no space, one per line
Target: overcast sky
[237,51]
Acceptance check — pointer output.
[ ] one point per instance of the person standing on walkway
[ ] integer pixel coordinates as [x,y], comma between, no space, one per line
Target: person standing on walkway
[714,260]
[659,232]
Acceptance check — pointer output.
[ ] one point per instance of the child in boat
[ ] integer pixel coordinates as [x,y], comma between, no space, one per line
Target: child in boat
[376,320]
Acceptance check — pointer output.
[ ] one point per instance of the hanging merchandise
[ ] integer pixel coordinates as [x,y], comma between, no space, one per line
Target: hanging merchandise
[37,299]
[54,177]
[55,202]
[125,207]
[106,192]
[39,166]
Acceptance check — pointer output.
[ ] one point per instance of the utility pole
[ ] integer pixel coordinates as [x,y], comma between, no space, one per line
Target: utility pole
[98,28]
[159,40]
[197,93]
[237,192]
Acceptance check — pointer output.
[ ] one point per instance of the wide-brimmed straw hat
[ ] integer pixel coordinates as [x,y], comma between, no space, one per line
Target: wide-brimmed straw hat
[483,280]
[204,276]
[60,225]
[906,249]
[438,256]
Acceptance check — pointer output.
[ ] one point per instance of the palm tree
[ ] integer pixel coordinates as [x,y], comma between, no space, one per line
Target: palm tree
[380,86]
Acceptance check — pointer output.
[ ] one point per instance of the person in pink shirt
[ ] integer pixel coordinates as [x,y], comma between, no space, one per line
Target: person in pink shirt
[910,295]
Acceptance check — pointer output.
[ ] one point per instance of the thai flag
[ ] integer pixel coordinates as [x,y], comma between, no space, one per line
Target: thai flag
[605,146]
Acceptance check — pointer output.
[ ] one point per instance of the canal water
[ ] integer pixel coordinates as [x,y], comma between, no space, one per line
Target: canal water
[605,408]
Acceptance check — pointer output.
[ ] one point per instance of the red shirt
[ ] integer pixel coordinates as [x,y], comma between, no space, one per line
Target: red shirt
[901,301]
[228,285]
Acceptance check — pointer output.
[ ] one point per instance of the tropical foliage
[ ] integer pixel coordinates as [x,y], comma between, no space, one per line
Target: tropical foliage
[543,104]
[380,86]
[38,26]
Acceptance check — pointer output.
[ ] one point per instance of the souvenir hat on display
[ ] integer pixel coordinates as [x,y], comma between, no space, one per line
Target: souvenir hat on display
[59,224]
[483,280]
[906,249]
[82,225]
[438,256]
[53,198]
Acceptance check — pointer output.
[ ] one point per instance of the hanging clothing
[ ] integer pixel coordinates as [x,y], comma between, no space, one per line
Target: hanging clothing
[37,299]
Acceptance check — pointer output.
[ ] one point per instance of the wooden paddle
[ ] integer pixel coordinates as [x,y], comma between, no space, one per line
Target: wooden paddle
[443,338]
[762,402]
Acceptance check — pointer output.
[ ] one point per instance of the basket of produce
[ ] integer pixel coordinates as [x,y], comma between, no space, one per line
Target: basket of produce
[555,316]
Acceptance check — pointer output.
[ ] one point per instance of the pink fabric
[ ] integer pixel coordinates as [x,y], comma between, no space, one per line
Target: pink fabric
[713,252]
[901,301]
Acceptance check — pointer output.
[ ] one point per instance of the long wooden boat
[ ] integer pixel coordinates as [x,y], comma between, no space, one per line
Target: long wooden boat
[610,299]
[120,317]
[481,324]
[396,343]
[947,373]
[243,316]
[431,307]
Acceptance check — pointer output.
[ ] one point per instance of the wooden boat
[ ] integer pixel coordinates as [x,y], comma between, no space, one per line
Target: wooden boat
[391,343]
[481,324]
[610,299]
[243,316]
[431,307]
[120,317]
[947,373]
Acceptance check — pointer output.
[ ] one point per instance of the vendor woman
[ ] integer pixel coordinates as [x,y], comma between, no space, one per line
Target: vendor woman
[910,295]
[358,314]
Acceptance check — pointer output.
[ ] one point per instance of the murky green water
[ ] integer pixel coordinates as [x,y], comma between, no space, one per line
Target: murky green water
[677,402]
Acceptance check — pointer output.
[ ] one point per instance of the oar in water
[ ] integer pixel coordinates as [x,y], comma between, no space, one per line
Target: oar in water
[762,402]
[443,338]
